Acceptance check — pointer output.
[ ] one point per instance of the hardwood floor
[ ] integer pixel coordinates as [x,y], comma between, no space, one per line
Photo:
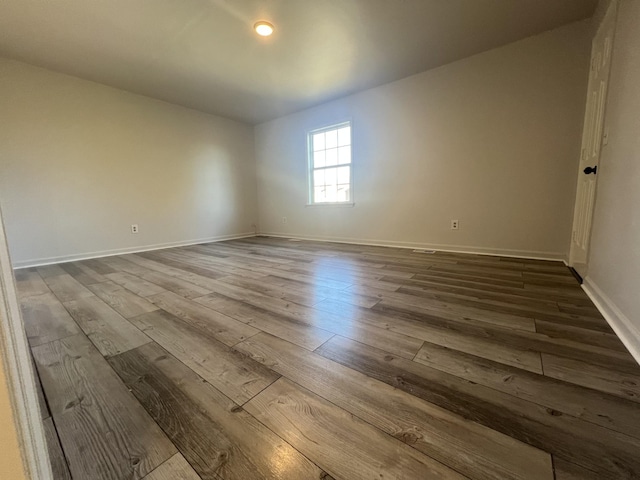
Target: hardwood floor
[269,358]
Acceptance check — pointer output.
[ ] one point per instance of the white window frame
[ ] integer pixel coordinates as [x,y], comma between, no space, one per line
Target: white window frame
[311,168]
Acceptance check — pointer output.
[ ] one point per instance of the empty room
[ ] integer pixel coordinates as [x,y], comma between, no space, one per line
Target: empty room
[319,239]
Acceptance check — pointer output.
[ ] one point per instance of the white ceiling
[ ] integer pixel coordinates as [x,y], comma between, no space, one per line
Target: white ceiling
[204,54]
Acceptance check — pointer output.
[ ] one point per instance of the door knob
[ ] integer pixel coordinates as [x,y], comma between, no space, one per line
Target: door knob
[589,170]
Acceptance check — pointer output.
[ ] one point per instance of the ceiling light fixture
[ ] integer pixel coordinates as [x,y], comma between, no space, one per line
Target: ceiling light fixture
[263,28]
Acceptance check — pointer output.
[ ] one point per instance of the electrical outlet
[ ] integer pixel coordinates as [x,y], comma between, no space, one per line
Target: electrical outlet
[284,219]
[134,228]
[454,225]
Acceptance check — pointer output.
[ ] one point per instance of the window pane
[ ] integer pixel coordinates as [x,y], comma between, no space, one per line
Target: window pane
[319,195]
[319,159]
[344,136]
[344,193]
[318,141]
[343,175]
[318,178]
[331,139]
[332,157]
[344,155]
[331,194]
[330,176]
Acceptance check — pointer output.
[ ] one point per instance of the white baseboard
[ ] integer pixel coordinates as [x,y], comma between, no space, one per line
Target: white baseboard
[624,328]
[499,252]
[121,251]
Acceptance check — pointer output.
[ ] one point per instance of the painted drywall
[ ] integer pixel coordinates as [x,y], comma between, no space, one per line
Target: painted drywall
[614,255]
[80,162]
[492,140]
[11,466]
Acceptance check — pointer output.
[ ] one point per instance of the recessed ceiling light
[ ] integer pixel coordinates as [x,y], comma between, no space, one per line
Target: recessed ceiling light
[263,28]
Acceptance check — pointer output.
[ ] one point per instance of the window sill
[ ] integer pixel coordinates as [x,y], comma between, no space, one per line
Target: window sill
[341,204]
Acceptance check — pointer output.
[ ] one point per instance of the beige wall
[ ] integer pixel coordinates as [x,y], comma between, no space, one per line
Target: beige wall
[80,162]
[11,466]
[614,263]
[492,140]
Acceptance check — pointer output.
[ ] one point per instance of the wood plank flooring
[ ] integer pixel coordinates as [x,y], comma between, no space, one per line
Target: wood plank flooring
[268,358]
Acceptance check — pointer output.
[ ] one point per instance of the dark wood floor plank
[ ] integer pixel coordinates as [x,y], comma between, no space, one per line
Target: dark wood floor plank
[203,261]
[178,265]
[98,266]
[428,301]
[59,466]
[236,260]
[570,291]
[107,329]
[229,267]
[321,291]
[622,384]
[312,280]
[332,438]
[135,284]
[347,267]
[82,273]
[45,319]
[452,293]
[216,436]
[141,263]
[454,336]
[587,310]
[609,453]
[176,285]
[222,327]
[104,431]
[462,445]
[46,271]
[66,288]
[261,286]
[231,372]
[573,297]
[92,275]
[509,306]
[480,270]
[469,277]
[323,274]
[30,283]
[205,281]
[397,343]
[243,255]
[451,310]
[587,404]
[122,300]
[545,280]
[582,335]
[570,471]
[161,275]
[282,256]
[276,324]
[176,468]
[42,402]
[520,340]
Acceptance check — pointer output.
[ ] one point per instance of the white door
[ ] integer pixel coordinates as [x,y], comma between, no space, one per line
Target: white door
[592,141]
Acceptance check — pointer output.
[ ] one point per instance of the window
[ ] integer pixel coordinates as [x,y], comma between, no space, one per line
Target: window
[330,165]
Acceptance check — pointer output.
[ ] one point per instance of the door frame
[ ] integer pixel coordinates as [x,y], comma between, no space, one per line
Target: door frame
[19,373]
